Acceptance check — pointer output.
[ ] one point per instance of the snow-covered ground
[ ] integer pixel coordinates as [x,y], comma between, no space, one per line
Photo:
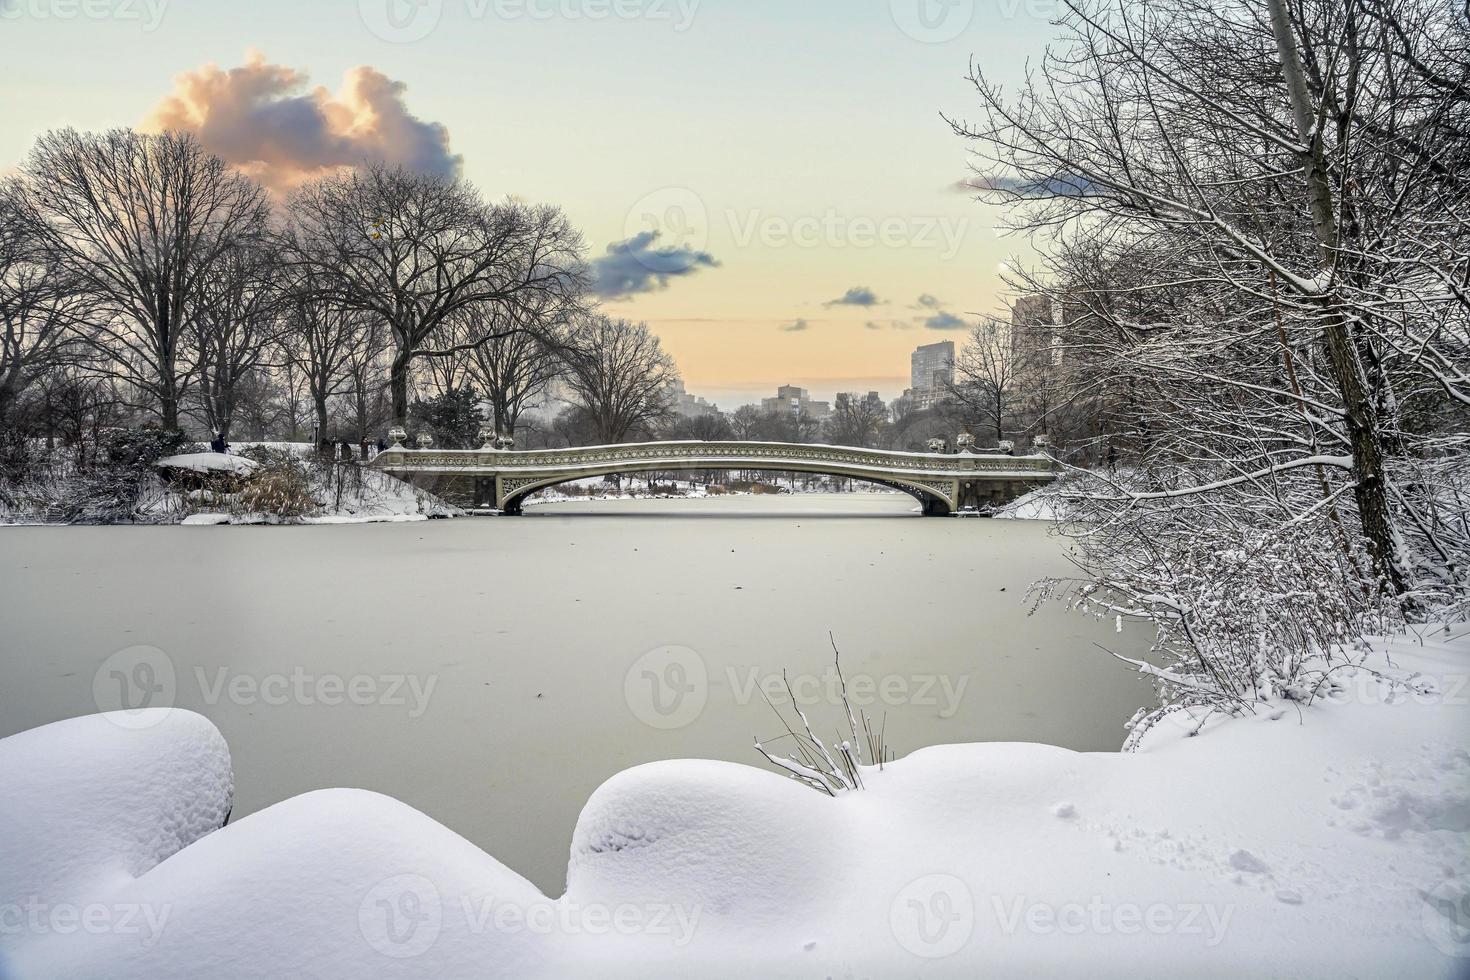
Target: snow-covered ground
[379,499]
[1329,840]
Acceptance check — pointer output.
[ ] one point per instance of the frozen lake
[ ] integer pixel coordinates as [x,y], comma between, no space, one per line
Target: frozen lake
[494,672]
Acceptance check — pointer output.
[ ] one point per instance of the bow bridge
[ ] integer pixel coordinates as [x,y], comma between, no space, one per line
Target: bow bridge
[944,483]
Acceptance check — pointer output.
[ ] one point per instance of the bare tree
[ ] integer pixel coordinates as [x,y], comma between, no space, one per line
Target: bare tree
[367,380]
[415,250]
[985,376]
[514,366]
[620,376]
[746,422]
[238,324]
[143,220]
[1284,171]
[41,309]
[323,337]
[856,420]
[1250,211]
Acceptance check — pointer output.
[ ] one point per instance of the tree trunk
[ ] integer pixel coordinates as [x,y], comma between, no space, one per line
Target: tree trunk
[398,388]
[319,402]
[1371,490]
[169,407]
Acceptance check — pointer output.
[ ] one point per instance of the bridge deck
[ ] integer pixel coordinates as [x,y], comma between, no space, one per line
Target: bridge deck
[947,481]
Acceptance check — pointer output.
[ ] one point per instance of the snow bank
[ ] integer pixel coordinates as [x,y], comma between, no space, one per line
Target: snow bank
[377,499]
[90,803]
[1038,505]
[1327,841]
[337,883]
[209,463]
[738,843]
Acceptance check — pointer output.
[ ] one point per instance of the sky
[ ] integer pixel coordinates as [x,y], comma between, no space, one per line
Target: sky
[768,184]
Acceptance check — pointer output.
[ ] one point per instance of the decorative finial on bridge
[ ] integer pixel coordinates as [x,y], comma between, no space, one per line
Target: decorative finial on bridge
[426,440]
[505,443]
[489,438]
[1007,446]
[397,436]
[964,443]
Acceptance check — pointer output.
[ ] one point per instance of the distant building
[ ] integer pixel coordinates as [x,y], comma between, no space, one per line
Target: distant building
[793,401]
[931,369]
[1035,342]
[687,405]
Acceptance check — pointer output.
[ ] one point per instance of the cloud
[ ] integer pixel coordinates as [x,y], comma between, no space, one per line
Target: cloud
[856,296]
[1061,185]
[796,327]
[929,301]
[263,119]
[889,325]
[635,266]
[944,321]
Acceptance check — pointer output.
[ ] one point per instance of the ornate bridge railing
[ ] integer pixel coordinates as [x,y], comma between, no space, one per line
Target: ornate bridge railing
[943,482]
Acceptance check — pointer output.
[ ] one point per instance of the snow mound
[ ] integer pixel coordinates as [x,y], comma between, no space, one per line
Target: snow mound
[205,520]
[209,463]
[1038,505]
[738,843]
[91,803]
[336,883]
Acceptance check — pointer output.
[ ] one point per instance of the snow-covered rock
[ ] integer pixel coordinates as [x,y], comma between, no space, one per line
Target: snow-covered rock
[337,883]
[208,464]
[89,804]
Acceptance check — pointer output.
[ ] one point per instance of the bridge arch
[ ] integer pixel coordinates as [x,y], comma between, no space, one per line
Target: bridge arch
[933,500]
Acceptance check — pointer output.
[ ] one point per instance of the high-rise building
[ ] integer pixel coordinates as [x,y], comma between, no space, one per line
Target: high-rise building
[1034,340]
[932,367]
